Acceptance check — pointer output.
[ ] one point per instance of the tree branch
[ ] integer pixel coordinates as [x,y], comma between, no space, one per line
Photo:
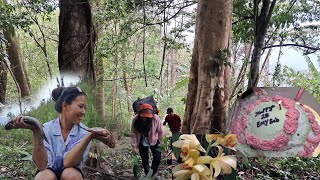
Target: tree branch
[121,78]
[244,18]
[173,16]
[277,27]
[295,45]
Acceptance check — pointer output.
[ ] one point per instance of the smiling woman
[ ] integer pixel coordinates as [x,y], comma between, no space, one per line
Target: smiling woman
[68,139]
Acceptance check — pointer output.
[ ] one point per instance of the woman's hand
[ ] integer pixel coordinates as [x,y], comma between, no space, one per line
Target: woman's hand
[103,135]
[135,151]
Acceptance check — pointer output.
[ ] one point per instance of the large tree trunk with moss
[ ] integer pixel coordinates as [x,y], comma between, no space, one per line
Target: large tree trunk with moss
[76,39]
[192,89]
[208,67]
[17,63]
[3,81]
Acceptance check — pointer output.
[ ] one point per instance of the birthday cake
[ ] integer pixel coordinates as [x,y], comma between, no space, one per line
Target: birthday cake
[275,126]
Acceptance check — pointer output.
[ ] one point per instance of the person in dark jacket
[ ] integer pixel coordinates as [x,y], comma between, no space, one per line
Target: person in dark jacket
[174,122]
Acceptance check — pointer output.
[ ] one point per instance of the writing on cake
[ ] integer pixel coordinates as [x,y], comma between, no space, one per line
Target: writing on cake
[265,114]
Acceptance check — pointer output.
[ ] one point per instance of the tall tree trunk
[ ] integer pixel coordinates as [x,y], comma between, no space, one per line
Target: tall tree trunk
[213,41]
[76,39]
[99,90]
[125,81]
[192,89]
[261,26]
[172,66]
[136,52]
[3,81]
[99,95]
[17,63]
[115,76]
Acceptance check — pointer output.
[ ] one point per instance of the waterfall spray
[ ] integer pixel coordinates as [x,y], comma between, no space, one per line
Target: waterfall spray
[42,96]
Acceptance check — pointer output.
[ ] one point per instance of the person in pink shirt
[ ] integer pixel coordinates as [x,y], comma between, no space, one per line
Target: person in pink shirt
[147,133]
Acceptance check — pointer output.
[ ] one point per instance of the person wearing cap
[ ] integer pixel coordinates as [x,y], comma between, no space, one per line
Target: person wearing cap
[147,133]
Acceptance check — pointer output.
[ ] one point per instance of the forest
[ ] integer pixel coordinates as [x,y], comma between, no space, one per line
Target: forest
[193,56]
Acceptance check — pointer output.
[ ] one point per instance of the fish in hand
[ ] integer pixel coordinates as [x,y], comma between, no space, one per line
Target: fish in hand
[8,124]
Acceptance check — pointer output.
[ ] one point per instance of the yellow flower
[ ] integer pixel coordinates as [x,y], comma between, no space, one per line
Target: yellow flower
[189,145]
[190,160]
[221,164]
[229,141]
[197,172]
[217,137]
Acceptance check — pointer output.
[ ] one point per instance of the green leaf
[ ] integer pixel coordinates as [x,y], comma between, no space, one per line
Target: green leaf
[181,84]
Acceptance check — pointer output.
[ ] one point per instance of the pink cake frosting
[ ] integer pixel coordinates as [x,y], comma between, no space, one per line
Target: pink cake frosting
[312,140]
[291,125]
[280,142]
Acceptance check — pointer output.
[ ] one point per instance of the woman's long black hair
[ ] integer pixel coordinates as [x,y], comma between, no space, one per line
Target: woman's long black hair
[142,126]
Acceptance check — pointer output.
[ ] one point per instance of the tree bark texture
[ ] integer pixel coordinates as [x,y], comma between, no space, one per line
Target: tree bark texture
[209,63]
[262,20]
[173,53]
[99,95]
[76,39]
[192,89]
[17,63]
[99,90]
[3,81]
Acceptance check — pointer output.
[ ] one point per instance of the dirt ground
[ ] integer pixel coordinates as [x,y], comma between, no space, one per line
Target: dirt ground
[115,163]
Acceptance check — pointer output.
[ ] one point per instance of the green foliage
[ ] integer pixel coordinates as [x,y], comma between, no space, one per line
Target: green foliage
[136,166]
[181,83]
[279,168]
[276,75]
[16,159]
[164,147]
[288,20]
[223,55]
[310,79]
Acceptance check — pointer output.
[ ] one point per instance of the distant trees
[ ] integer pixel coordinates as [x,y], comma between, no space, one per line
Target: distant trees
[17,62]
[271,24]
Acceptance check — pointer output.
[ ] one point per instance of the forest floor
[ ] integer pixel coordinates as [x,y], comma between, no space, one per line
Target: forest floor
[115,163]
